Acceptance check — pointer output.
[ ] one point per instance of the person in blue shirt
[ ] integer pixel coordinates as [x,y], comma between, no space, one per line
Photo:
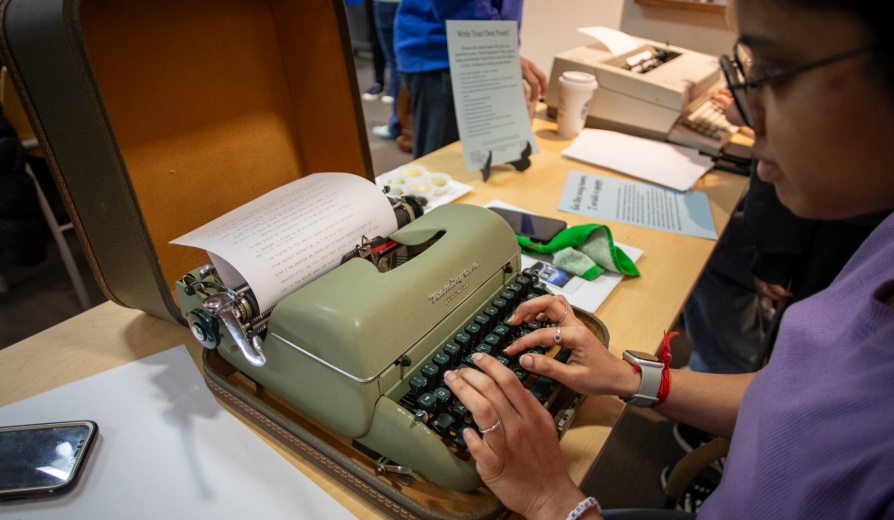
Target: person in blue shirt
[420,44]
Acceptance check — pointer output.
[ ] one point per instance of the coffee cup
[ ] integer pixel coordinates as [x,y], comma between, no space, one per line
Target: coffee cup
[575,92]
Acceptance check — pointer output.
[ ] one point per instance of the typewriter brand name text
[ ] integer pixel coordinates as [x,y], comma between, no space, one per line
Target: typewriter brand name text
[453,282]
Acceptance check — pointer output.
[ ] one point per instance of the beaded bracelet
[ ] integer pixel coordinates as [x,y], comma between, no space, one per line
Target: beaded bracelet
[584,506]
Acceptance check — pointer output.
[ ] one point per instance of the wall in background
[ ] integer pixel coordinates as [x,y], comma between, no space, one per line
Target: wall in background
[699,31]
[550,26]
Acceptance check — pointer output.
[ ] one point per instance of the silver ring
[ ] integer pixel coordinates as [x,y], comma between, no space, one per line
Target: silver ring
[563,316]
[492,428]
[558,335]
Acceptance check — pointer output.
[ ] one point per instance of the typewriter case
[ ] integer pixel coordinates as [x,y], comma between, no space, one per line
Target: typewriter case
[157,116]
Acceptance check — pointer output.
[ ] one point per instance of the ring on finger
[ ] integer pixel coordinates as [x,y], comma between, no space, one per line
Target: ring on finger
[558,335]
[492,428]
[563,315]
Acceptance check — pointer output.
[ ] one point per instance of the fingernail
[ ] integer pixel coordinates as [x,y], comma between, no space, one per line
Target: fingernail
[450,375]
[526,361]
[477,356]
[512,317]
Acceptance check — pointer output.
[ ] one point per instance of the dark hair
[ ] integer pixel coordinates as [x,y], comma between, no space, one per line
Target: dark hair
[875,15]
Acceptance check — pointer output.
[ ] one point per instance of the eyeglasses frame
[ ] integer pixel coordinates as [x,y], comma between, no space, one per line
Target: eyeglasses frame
[734,73]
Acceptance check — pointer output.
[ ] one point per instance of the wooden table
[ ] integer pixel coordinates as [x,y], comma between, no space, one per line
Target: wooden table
[636,314]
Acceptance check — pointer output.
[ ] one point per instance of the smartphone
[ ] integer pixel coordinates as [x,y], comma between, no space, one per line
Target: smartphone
[43,460]
[537,228]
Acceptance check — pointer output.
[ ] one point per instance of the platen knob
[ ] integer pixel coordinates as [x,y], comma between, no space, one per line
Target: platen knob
[204,328]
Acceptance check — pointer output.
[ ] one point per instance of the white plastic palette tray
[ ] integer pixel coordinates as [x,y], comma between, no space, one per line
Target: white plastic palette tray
[438,188]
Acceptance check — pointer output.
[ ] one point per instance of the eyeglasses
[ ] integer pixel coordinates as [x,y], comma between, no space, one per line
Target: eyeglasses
[741,75]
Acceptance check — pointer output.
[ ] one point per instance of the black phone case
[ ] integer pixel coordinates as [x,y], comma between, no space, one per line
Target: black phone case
[65,487]
[537,228]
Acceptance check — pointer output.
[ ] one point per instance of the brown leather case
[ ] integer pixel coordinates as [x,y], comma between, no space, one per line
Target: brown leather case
[157,116]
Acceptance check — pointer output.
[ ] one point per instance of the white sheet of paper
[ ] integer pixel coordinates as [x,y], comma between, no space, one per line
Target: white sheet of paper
[617,42]
[674,166]
[588,295]
[487,90]
[294,234]
[167,449]
[608,198]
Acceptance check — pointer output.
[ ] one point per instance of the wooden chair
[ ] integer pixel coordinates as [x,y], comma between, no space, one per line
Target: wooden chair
[686,469]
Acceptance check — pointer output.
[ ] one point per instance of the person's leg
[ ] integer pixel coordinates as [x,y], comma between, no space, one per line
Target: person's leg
[725,319]
[434,116]
[384,12]
[378,57]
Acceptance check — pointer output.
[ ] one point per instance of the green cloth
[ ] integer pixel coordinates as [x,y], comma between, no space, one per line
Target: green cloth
[586,251]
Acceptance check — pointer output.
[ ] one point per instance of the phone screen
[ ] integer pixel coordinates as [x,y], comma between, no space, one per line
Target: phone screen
[42,458]
[537,228]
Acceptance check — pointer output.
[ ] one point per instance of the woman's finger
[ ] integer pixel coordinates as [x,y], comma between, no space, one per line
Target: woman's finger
[569,336]
[547,307]
[483,412]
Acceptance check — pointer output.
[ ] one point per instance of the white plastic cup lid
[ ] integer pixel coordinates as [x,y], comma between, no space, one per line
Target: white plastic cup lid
[577,78]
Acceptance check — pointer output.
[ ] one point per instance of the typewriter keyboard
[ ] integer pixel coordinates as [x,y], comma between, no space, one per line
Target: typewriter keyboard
[709,119]
[432,402]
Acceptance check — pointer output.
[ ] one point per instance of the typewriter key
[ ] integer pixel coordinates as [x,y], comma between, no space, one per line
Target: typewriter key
[442,424]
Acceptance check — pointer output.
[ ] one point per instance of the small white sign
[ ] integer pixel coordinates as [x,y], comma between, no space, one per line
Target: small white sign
[488,94]
[607,198]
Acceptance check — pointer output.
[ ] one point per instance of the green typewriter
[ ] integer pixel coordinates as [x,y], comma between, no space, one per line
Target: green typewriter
[363,349]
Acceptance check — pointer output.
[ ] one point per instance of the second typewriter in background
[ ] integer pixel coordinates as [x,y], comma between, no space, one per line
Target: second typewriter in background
[364,348]
[705,128]
[657,90]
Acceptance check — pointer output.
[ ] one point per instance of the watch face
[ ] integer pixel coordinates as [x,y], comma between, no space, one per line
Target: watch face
[641,355]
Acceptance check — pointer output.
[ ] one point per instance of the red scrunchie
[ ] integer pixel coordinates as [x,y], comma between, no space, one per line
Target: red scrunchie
[664,356]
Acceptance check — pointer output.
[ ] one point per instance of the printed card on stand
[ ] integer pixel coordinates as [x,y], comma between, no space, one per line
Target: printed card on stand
[488,92]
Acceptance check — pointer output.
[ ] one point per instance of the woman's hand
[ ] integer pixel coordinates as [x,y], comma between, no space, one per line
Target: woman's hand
[535,78]
[773,291]
[518,456]
[591,368]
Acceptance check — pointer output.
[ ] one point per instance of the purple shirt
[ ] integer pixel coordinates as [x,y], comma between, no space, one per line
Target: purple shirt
[815,433]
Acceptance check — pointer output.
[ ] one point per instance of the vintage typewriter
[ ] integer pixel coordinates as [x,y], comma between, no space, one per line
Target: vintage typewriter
[363,348]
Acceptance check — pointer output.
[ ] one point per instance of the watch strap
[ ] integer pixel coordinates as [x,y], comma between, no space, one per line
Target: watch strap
[650,383]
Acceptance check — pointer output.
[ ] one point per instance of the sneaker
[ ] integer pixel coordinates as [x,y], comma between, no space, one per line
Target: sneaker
[690,438]
[695,493]
[390,99]
[373,93]
[382,131]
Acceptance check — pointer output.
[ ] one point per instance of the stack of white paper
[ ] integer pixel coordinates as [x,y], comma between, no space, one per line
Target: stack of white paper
[670,165]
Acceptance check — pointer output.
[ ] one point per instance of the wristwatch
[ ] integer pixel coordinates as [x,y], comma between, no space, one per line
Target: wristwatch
[651,370]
